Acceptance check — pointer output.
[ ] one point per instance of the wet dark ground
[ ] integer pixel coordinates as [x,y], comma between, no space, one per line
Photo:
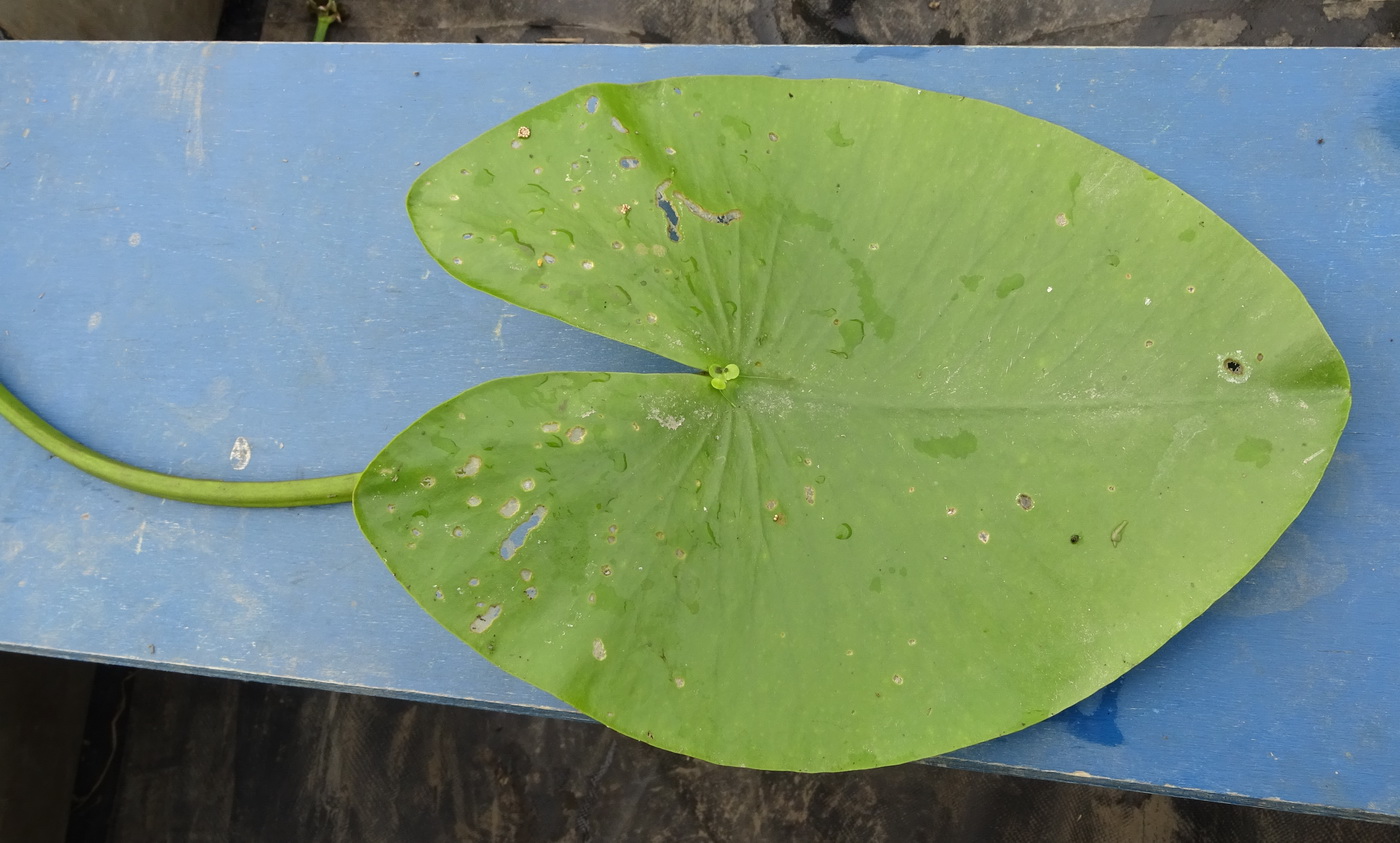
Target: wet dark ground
[1274,23]
[105,754]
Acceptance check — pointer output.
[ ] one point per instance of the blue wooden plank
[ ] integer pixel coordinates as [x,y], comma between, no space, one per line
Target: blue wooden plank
[207,242]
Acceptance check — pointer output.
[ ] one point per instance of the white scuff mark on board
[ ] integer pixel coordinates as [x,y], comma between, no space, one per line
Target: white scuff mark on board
[240,455]
[185,89]
[94,321]
[134,239]
[500,325]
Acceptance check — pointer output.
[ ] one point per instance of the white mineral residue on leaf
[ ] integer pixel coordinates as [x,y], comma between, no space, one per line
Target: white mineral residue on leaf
[599,651]
[485,619]
[240,455]
[666,420]
[1314,455]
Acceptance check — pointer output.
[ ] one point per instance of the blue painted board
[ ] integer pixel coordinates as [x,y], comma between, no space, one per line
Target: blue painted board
[205,242]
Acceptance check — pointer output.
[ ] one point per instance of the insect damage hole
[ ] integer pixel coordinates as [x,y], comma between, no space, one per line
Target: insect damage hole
[469,468]
[521,533]
[1233,367]
[485,619]
[1024,501]
[599,651]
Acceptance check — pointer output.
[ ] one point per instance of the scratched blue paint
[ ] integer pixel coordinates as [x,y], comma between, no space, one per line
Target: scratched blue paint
[276,292]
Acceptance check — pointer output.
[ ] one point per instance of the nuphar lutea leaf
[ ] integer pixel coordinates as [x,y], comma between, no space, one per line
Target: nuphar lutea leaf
[982,414]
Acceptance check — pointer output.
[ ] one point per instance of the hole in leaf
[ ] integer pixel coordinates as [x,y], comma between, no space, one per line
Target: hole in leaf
[1024,501]
[591,105]
[1233,368]
[576,435]
[520,534]
[532,592]
[617,124]
[526,574]
[983,536]
[599,651]
[470,467]
[485,619]
[628,163]
[474,501]
[1074,539]
[509,508]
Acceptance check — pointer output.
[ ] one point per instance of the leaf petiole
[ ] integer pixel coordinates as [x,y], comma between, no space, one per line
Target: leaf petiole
[312,492]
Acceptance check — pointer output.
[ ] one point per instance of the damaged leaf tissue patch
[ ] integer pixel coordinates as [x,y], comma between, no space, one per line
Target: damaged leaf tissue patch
[980,414]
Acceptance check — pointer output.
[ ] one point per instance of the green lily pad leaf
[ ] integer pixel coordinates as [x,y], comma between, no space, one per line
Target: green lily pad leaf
[1001,412]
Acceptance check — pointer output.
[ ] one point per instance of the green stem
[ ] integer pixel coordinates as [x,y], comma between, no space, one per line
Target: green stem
[323,23]
[320,490]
